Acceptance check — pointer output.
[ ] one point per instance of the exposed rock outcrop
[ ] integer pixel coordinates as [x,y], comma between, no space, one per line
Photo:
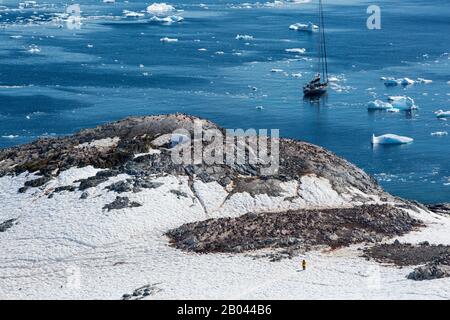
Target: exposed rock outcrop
[434,258]
[114,146]
[300,228]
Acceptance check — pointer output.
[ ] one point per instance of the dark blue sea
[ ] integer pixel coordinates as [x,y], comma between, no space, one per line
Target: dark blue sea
[56,79]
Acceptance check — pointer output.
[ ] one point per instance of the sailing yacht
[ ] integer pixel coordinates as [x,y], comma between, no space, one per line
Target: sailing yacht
[319,85]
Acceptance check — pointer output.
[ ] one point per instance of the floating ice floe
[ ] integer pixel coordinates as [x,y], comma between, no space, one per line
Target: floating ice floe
[379,105]
[402,102]
[11,136]
[219,53]
[109,1]
[259,108]
[168,40]
[296,50]
[160,9]
[424,81]
[309,27]
[407,82]
[34,49]
[275,70]
[442,114]
[390,81]
[202,49]
[439,133]
[133,14]
[244,37]
[167,20]
[391,139]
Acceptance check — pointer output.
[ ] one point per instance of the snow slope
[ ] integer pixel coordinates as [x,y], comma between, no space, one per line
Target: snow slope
[67,248]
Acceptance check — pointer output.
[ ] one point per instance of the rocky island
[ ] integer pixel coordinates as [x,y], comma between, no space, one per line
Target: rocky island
[106,214]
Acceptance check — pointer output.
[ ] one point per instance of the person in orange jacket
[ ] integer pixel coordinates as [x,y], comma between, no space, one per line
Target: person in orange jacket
[304,264]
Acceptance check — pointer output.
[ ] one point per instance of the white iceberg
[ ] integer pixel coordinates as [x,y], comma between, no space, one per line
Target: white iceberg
[442,114]
[402,102]
[379,105]
[244,37]
[160,9]
[309,27]
[168,40]
[391,139]
[296,50]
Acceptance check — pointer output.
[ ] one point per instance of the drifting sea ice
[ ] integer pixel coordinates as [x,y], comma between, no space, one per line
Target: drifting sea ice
[439,133]
[132,14]
[34,49]
[424,81]
[442,114]
[296,50]
[391,82]
[244,37]
[406,82]
[379,105]
[391,139]
[309,27]
[402,102]
[168,40]
[159,9]
[167,20]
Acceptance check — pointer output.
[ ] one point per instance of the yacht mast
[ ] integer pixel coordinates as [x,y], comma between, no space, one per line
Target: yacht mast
[322,52]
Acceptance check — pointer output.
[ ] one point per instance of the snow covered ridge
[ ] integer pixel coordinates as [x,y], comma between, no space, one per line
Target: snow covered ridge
[101,215]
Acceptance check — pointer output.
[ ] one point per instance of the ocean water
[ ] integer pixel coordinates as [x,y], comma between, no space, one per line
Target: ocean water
[55,80]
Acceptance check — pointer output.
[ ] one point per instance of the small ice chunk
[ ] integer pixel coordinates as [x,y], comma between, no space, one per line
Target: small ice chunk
[34,49]
[259,107]
[391,139]
[390,82]
[296,50]
[202,49]
[309,27]
[379,105]
[245,37]
[167,20]
[132,14]
[424,81]
[439,133]
[406,82]
[442,114]
[275,70]
[160,8]
[109,1]
[168,40]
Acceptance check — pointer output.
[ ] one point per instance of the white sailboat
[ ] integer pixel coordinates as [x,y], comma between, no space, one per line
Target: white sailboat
[319,85]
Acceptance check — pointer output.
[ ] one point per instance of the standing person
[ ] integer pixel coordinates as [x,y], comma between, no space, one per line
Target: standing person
[304,264]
